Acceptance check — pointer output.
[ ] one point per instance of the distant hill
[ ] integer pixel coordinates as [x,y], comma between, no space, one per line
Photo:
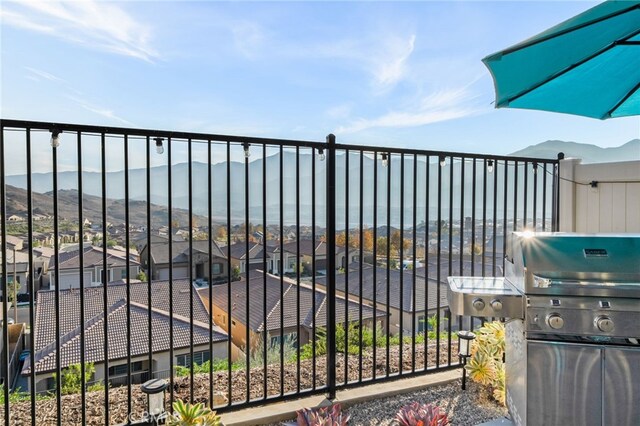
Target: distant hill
[588,153]
[92,208]
[217,194]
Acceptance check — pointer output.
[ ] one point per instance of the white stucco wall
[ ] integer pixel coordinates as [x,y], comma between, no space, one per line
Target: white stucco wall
[611,206]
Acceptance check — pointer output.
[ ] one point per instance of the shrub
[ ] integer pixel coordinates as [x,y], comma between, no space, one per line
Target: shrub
[325,416]
[416,414]
[273,352]
[368,335]
[218,365]
[486,365]
[71,382]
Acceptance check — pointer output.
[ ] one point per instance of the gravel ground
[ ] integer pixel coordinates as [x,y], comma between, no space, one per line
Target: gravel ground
[46,412]
[463,408]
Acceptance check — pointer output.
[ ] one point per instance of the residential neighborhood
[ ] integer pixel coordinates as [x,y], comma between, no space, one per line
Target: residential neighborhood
[280,296]
[118,325]
[67,268]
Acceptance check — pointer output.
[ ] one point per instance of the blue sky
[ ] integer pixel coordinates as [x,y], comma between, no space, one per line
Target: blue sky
[376,73]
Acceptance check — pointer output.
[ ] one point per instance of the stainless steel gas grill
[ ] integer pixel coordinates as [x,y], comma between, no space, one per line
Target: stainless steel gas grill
[573,330]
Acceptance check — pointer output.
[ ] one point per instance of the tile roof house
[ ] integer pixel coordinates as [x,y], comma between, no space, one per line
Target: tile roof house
[161,261]
[184,295]
[14,243]
[307,248]
[68,267]
[427,302]
[278,295]
[238,254]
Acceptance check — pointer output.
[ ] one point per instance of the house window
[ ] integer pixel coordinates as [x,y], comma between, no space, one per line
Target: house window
[121,370]
[290,339]
[100,275]
[216,268]
[198,358]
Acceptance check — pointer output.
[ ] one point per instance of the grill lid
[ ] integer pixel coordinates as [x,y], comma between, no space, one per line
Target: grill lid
[580,264]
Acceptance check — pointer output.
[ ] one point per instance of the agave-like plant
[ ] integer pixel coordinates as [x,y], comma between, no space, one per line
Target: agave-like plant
[324,416]
[186,414]
[486,365]
[416,414]
[499,391]
[482,369]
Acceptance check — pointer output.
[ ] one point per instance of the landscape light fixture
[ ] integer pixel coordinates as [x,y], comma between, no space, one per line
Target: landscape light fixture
[321,155]
[159,147]
[490,166]
[385,159]
[55,138]
[443,161]
[245,146]
[154,389]
[464,352]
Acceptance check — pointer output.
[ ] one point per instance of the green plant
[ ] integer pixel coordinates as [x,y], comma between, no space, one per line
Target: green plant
[18,396]
[142,276]
[273,351]
[306,351]
[14,288]
[325,416]
[71,382]
[416,414]
[235,274]
[486,365]
[186,414]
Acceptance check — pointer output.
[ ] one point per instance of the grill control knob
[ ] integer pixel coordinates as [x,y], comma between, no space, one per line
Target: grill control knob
[604,324]
[496,304]
[555,321]
[478,304]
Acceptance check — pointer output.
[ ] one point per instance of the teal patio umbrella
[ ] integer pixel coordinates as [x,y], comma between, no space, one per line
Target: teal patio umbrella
[588,65]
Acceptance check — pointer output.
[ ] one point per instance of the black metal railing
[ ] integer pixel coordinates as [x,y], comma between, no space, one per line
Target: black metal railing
[373,233]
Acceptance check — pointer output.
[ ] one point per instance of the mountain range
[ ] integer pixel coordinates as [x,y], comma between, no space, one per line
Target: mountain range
[587,152]
[92,208]
[201,193]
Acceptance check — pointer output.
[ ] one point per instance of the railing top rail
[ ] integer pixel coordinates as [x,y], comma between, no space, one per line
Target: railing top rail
[83,128]
[434,153]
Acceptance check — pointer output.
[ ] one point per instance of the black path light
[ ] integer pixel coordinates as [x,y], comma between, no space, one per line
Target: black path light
[466,337]
[154,389]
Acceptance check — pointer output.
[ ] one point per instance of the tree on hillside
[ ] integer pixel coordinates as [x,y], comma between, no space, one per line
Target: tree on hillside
[221,233]
[381,246]
[367,240]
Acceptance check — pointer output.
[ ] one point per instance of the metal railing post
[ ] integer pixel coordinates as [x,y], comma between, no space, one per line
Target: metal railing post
[556,184]
[331,265]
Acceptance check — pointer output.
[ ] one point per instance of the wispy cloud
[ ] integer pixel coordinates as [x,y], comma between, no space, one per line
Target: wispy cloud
[39,74]
[389,65]
[98,25]
[105,112]
[439,106]
[384,57]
